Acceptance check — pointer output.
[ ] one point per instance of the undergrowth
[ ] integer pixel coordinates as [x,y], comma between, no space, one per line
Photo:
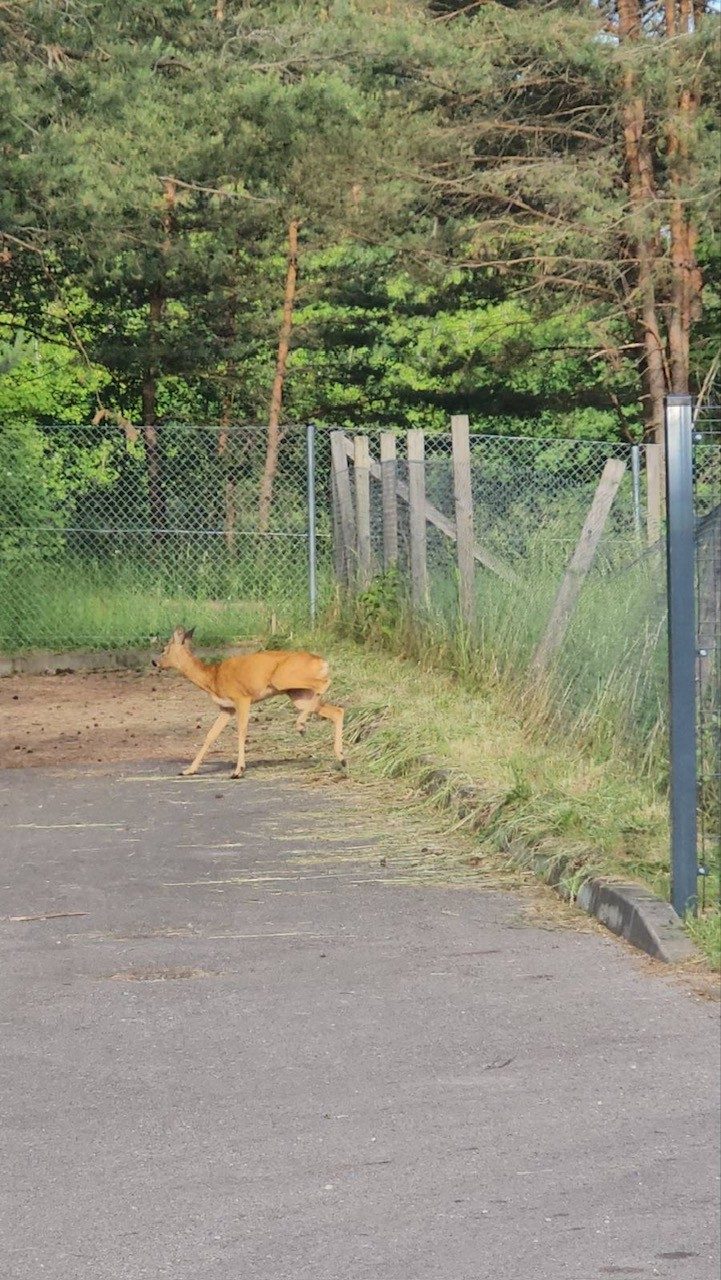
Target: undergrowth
[705,930]
[539,793]
[606,690]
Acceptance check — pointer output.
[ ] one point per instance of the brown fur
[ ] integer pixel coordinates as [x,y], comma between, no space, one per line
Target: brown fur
[235,684]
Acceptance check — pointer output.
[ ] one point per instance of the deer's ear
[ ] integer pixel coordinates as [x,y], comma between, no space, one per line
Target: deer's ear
[178,635]
[188,635]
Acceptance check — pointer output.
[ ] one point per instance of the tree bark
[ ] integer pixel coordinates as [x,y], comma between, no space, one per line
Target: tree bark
[686,280]
[156,492]
[156,308]
[230,514]
[681,301]
[276,400]
[642,196]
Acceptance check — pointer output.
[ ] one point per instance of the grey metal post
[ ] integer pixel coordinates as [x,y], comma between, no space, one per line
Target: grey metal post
[312,549]
[636,481]
[681,650]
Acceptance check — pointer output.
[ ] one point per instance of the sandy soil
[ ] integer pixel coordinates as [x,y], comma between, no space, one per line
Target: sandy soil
[94,718]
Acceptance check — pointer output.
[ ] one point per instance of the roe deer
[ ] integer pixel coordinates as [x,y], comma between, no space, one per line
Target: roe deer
[238,682]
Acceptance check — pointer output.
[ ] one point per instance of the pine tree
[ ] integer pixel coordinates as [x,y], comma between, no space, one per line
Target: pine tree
[582,161]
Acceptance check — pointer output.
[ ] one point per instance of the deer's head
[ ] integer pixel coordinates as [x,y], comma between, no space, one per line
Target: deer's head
[172,655]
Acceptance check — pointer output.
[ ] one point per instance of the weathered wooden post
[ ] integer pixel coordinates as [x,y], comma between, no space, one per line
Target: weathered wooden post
[417,503]
[579,564]
[444,523]
[653,493]
[464,517]
[389,497]
[362,477]
[346,516]
[338,549]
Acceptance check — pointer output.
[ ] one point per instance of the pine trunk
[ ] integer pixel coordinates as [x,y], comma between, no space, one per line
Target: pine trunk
[156,492]
[276,400]
[230,516]
[685,274]
[225,450]
[646,250]
[156,308]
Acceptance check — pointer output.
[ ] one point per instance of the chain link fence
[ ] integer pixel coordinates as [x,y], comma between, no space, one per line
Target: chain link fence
[530,500]
[112,537]
[707,508]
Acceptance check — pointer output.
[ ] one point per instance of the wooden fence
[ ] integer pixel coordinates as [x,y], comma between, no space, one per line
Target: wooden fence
[352,524]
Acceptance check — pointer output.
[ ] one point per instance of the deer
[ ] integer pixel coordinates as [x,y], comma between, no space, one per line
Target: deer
[236,683]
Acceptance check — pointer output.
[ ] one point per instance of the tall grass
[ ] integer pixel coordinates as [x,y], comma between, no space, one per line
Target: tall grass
[605,690]
[100,604]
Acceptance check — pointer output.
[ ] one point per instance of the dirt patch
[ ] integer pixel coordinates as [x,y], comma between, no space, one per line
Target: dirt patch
[109,717]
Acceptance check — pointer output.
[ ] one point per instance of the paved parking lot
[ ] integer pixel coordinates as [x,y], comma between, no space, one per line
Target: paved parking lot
[232,1048]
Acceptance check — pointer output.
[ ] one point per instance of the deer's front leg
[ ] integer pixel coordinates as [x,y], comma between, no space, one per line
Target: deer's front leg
[214,732]
[242,708]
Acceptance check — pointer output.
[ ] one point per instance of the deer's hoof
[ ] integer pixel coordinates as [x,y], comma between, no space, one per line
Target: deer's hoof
[187,773]
[237,773]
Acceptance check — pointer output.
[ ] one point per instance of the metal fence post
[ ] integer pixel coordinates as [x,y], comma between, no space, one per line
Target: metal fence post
[312,549]
[681,650]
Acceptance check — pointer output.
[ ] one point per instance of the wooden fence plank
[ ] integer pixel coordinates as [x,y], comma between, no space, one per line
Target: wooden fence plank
[389,488]
[442,522]
[342,489]
[464,516]
[579,564]
[362,478]
[417,501]
[654,482]
[338,551]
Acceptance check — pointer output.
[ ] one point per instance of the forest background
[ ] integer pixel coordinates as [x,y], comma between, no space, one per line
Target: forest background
[358,212]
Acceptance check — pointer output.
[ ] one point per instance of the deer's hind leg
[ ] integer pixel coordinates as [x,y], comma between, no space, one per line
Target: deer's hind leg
[306,703]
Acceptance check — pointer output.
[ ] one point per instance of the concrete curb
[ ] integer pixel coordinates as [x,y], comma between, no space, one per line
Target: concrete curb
[629,910]
[42,662]
[637,915]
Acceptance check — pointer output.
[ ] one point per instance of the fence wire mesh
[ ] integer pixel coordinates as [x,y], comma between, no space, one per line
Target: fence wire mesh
[707,503]
[530,500]
[110,537]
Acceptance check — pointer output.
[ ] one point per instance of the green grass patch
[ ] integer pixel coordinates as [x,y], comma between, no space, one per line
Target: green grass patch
[607,686]
[705,930]
[93,604]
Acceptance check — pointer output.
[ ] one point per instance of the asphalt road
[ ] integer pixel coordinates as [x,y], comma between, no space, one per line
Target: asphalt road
[252,1059]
